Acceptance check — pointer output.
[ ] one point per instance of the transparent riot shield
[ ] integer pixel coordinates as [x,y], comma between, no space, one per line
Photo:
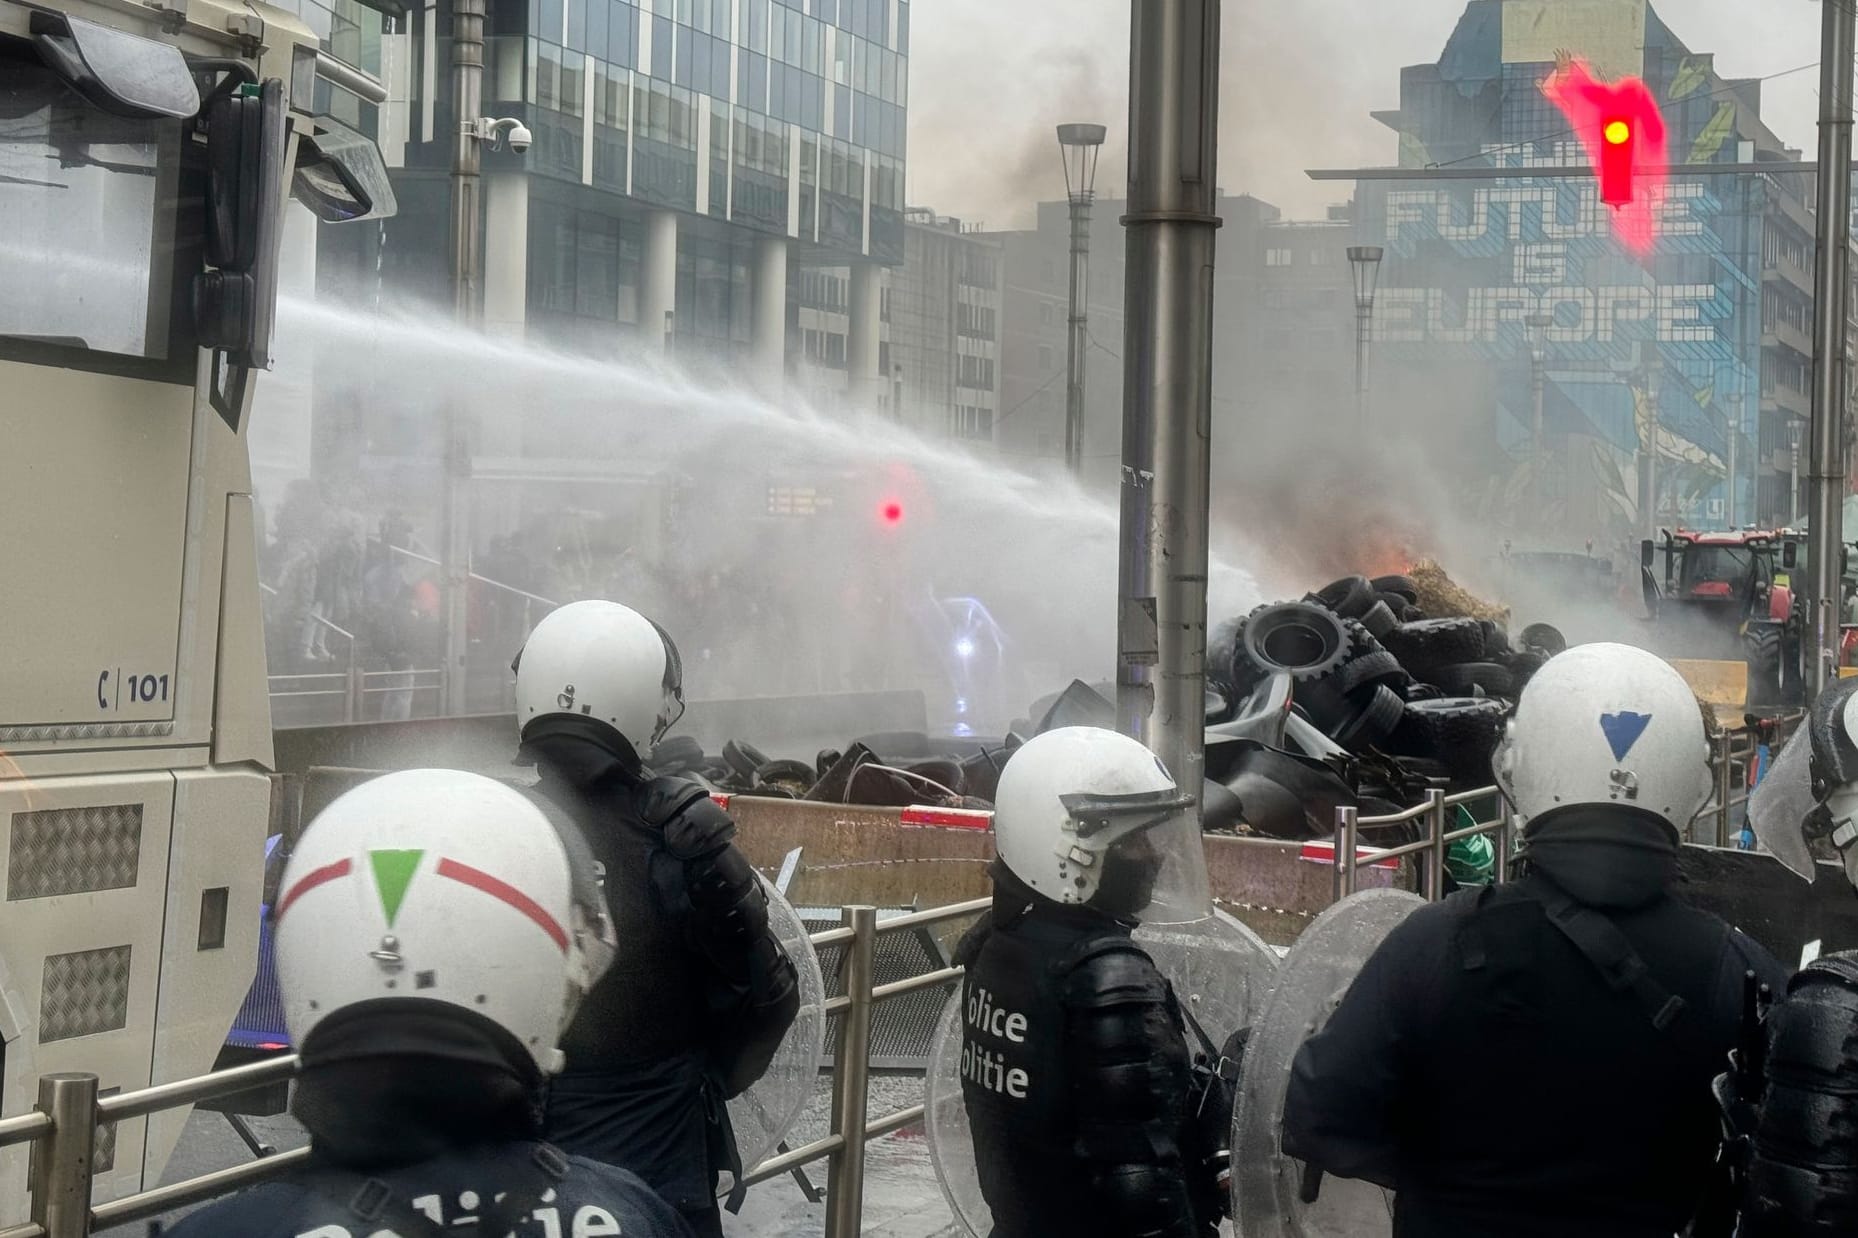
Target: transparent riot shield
[1269,1187]
[1778,809]
[764,1114]
[1221,971]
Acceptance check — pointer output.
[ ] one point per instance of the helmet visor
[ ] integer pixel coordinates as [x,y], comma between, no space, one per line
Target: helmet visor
[1153,858]
[1782,802]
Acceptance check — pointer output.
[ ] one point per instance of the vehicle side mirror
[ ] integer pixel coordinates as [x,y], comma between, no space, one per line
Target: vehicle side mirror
[235,304]
[1790,555]
[1646,551]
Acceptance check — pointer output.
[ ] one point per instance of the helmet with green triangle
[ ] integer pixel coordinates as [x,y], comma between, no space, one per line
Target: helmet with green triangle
[447,887]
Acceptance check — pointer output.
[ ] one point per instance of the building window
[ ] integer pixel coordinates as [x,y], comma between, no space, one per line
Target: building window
[1277,257]
[1045,359]
[1319,257]
[1047,313]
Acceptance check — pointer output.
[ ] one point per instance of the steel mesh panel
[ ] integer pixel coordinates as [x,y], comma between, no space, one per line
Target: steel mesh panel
[84,993]
[73,850]
[902,1028]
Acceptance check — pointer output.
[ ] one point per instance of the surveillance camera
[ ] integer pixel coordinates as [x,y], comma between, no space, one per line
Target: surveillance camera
[496,132]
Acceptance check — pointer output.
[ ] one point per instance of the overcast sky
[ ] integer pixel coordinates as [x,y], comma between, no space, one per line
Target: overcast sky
[990,78]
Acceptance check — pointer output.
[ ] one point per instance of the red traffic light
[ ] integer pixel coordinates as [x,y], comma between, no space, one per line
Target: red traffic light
[890,511]
[1622,131]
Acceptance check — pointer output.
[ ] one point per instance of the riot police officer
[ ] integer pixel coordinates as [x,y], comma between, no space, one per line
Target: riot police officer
[1602,1003]
[433,937]
[701,993]
[1074,1065]
[1798,1115]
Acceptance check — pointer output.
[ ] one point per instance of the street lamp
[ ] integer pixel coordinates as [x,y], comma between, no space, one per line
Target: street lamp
[1366,263]
[1538,325]
[1079,146]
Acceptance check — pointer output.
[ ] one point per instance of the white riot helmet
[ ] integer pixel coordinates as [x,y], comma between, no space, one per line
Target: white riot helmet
[1077,803]
[603,661]
[448,887]
[1606,724]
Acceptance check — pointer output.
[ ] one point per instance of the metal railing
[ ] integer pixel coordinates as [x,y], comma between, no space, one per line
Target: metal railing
[63,1127]
[1731,752]
[1351,857]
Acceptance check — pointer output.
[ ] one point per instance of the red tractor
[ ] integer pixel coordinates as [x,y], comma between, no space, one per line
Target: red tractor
[1729,596]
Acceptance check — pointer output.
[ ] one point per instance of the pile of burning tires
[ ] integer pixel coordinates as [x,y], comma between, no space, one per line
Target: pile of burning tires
[1353,696]
[1385,699]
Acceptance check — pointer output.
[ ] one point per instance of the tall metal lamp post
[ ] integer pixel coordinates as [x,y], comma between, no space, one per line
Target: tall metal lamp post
[1079,145]
[1366,263]
[1538,325]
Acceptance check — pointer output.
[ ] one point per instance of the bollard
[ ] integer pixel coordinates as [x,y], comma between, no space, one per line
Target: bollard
[61,1162]
[1435,857]
[1724,762]
[850,1066]
[1346,820]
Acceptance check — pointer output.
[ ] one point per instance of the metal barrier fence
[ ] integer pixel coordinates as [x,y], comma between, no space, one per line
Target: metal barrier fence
[1731,752]
[63,1127]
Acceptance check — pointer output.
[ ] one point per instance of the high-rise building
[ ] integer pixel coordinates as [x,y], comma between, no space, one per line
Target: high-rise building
[1666,374]
[691,159]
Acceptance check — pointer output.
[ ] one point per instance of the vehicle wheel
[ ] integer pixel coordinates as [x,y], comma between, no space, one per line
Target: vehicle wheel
[1218,707]
[1404,586]
[1378,718]
[1375,667]
[1496,640]
[1470,678]
[1433,644]
[1762,649]
[1379,619]
[1460,732]
[1544,637]
[1349,597]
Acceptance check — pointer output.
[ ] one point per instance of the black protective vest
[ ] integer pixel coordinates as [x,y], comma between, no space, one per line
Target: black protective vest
[1032,1108]
[1607,1126]
[1803,1174]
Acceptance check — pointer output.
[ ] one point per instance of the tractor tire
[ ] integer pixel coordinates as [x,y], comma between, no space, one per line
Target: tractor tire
[1350,597]
[1299,639]
[1404,586]
[1431,645]
[1370,669]
[1379,620]
[1474,679]
[1459,732]
[1762,648]
[1544,638]
[1378,718]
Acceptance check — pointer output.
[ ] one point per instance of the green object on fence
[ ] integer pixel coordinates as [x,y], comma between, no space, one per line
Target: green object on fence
[1471,861]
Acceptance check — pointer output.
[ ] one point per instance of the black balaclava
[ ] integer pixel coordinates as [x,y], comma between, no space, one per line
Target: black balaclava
[1604,855]
[397,1081]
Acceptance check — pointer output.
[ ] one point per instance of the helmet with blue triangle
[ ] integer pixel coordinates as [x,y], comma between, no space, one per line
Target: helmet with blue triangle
[1605,724]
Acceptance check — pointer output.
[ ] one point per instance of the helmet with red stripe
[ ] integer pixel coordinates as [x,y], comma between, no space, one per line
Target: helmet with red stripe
[443,886]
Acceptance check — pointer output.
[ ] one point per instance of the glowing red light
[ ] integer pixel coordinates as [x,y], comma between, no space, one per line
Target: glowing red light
[891,512]
[1622,131]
